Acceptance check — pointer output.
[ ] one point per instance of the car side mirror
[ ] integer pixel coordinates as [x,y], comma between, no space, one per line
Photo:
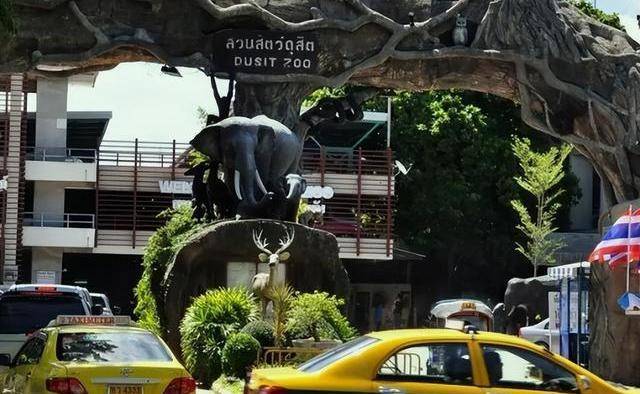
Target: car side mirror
[97,310]
[5,360]
[584,383]
[117,310]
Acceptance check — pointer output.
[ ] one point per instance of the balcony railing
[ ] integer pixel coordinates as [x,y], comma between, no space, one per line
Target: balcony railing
[59,220]
[143,153]
[347,161]
[68,155]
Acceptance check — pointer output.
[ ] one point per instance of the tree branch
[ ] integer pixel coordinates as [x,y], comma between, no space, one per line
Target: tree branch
[101,38]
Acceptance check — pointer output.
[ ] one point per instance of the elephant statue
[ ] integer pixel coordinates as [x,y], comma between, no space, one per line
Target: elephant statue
[526,301]
[260,160]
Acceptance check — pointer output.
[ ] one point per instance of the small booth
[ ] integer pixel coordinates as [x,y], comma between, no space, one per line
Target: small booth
[468,311]
[569,312]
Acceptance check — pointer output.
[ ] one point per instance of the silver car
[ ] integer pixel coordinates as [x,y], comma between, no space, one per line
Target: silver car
[541,334]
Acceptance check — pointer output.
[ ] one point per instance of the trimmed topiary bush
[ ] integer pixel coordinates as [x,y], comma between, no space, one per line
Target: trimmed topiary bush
[240,352]
[208,322]
[261,331]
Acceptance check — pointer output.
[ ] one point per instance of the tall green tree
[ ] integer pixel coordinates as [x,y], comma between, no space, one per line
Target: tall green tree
[455,204]
[542,173]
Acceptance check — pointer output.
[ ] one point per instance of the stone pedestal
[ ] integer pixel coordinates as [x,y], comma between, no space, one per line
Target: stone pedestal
[201,264]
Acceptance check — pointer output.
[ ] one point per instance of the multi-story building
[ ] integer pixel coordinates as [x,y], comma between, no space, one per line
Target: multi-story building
[79,209]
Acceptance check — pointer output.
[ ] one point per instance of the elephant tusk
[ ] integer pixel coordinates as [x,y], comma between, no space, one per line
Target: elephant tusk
[260,184]
[293,180]
[236,184]
[290,195]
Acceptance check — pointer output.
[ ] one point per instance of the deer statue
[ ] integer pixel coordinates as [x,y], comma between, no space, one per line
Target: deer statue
[262,283]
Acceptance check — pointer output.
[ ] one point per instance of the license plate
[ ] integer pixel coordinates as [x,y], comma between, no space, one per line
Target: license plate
[122,389]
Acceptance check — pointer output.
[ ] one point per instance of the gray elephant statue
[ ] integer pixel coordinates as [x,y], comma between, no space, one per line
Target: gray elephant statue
[260,159]
[526,301]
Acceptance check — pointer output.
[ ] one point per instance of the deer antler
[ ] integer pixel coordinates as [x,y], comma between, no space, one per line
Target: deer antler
[261,244]
[286,241]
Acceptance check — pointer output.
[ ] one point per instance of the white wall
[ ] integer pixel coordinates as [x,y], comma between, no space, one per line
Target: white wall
[60,237]
[60,171]
[46,259]
[51,114]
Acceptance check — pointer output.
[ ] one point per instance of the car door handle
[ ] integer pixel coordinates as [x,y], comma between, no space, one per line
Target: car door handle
[389,390]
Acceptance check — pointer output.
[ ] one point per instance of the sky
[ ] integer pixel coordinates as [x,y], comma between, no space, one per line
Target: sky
[153,106]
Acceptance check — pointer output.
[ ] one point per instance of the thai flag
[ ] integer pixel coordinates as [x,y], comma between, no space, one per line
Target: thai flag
[621,244]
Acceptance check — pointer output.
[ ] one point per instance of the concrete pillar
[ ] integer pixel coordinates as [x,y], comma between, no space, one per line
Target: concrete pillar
[581,215]
[46,264]
[48,197]
[51,114]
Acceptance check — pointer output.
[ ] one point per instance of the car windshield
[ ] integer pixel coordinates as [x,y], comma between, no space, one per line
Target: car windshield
[329,357]
[478,322]
[22,314]
[110,347]
[97,300]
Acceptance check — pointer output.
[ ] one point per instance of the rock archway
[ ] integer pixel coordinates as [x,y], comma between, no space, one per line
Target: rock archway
[574,77]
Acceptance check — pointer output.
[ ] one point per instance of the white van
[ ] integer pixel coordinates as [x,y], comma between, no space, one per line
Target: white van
[25,309]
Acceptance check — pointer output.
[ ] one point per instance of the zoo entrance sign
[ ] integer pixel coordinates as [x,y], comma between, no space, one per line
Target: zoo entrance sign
[265,52]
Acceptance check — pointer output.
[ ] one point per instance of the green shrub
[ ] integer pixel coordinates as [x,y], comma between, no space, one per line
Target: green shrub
[160,249]
[261,331]
[208,322]
[282,297]
[240,352]
[318,315]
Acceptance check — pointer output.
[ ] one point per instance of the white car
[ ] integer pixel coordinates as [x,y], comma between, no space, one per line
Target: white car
[541,334]
[103,300]
[24,309]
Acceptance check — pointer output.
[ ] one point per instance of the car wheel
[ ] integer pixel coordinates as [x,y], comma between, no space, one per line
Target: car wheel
[543,344]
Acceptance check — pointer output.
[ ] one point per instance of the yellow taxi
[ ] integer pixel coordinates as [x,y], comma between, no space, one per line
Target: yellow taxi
[433,361]
[94,354]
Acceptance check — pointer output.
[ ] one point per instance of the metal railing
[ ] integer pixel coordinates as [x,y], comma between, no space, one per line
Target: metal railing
[143,153]
[67,155]
[279,356]
[345,161]
[59,220]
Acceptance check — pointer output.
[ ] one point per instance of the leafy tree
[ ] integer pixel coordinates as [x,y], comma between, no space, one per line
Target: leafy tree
[7,23]
[162,245]
[542,172]
[455,203]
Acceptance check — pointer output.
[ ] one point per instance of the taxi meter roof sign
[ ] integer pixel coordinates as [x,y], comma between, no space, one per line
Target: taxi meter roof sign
[68,320]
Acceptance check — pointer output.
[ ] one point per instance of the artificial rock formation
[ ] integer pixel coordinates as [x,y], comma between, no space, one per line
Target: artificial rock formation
[201,264]
[574,77]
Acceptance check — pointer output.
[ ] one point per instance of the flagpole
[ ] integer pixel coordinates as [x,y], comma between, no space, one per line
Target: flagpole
[629,246]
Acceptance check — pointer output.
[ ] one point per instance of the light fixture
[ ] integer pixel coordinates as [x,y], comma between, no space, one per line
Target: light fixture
[170,70]
[402,169]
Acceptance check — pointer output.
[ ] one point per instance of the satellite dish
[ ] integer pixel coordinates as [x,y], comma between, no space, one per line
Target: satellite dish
[402,168]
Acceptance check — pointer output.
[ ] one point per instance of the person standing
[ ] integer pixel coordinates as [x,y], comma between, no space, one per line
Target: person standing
[378,312]
[397,311]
